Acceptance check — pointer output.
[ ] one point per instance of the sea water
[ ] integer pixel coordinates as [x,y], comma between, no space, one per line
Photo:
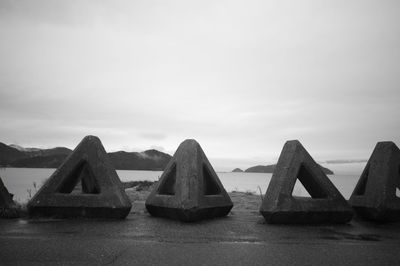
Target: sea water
[24,182]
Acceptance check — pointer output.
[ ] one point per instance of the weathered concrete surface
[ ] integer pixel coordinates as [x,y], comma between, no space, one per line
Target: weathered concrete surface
[189,189]
[8,208]
[5,197]
[100,194]
[374,196]
[241,238]
[327,205]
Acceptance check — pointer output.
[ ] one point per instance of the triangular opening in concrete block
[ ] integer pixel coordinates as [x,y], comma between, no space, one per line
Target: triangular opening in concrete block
[376,195]
[307,179]
[85,185]
[80,180]
[167,187]
[281,203]
[189,189]
[300,191]
[210,186]
[362,184]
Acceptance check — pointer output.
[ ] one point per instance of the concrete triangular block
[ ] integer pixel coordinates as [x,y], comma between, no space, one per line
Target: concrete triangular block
[101,194]
[189,189]
[8,208]
[5,197]
[326,204]
[374,196]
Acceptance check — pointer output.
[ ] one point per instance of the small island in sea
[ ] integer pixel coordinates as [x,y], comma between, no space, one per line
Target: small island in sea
[271,168]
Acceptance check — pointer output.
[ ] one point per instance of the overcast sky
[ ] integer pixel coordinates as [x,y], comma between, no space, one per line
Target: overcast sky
[241,77]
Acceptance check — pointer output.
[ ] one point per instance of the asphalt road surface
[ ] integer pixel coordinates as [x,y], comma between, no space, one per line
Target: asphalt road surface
[242,238]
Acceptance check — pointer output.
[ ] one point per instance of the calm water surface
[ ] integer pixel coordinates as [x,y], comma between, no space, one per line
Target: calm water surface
[24,182]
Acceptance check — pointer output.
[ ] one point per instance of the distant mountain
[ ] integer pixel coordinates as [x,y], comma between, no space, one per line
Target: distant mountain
[271,168]
[9,154]
[237,170]
[15,146]
[49,152]
[147,160]
[50,161]
[17,156]
[33,152]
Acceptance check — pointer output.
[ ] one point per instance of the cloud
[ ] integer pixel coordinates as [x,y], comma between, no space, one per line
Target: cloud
[153,135]
[241,78]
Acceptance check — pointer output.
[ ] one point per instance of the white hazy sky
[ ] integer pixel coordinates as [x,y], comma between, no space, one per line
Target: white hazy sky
[241,77]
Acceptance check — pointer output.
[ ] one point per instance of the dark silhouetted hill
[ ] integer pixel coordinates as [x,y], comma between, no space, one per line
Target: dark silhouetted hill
[50,161]
[16,156]
[147,160]
[9,154]
[237,170]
